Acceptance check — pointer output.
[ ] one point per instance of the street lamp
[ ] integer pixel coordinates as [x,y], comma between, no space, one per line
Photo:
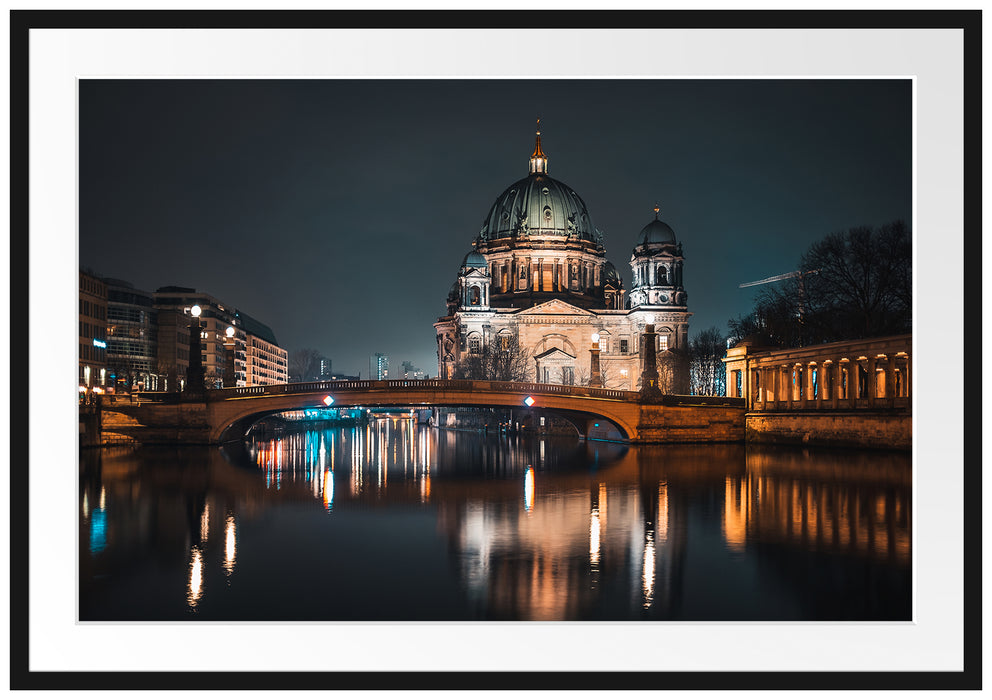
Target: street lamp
[230,378]
[595,373]
[194,375]
[649,362]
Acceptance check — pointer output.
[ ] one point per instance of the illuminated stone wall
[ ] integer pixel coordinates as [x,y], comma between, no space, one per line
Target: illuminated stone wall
[876,430]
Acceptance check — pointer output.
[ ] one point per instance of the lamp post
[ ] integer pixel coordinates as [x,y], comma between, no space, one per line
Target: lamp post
[649,360]
[194,375]
[230,378]
[595,374]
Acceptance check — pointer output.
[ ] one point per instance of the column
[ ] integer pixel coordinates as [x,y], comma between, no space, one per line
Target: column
[853,380]
[595,374]
[890,380]
[790,385]
[835,382]
[872,383]
[819,384]
[906,379]
[810,367]
[781,395]
[649,364]
[769,383]
[824,378]
[756,386]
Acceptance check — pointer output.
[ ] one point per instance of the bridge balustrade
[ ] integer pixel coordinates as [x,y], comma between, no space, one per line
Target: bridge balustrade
[426,385]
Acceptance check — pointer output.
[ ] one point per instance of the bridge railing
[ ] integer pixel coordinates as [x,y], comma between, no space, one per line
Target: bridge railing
[435,385]
[431,385]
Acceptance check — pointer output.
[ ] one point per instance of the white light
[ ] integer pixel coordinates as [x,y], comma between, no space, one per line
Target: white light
[195,311]
[99,343]
[595,337]
[529,489]
[649,318]
[529,401]
[328,400]
[230,331]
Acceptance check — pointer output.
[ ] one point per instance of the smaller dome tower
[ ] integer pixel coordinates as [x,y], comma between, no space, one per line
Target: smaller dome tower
[473,282]
[656,265]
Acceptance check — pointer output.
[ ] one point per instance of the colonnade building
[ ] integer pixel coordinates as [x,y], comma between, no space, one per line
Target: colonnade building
[871,373]
[537,282]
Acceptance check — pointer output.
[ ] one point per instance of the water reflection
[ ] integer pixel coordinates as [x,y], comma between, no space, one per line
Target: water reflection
[492,528]
[230,545]
[195,577]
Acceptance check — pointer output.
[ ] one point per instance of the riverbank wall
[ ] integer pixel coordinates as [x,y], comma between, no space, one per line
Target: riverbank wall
[862,429]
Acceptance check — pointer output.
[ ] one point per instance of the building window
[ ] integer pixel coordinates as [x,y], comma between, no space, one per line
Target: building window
[624,346]
[474,345]
[663,342]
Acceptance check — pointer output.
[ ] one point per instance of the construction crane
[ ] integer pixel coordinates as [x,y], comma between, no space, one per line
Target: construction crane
[802,291]
[776,278]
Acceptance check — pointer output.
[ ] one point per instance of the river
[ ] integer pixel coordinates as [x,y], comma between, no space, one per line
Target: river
[402,522]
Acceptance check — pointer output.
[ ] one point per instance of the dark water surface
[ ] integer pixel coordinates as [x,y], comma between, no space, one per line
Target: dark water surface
[396,521]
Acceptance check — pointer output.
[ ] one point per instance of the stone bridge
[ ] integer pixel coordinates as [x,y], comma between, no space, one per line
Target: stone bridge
[224,415]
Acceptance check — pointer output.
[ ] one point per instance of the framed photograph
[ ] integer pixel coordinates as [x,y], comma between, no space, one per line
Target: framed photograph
[281,212]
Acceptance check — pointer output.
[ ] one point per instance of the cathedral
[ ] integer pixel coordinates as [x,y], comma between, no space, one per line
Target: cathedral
[537,293]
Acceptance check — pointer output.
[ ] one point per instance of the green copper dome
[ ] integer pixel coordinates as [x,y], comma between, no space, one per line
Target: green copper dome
[475,259]
[656,232]
[538,205]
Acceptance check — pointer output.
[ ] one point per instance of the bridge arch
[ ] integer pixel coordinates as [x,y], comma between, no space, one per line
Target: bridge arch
[604,414]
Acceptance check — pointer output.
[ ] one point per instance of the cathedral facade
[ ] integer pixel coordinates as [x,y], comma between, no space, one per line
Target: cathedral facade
[537,299]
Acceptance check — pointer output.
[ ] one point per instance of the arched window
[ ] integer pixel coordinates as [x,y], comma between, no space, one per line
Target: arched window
[662,274]
[474,296]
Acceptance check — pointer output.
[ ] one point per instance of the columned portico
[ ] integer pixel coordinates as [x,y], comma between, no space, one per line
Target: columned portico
[824,377]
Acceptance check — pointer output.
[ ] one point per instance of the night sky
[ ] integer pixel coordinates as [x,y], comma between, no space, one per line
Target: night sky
[337,212]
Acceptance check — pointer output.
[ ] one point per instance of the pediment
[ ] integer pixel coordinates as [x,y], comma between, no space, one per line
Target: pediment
[555,307]
[554,354]
[476,273]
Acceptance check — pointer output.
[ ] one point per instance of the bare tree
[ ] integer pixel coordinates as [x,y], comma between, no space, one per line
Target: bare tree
[304,365]
[609,371]
[864,283]
[501,359]
[707,373]
[852,284]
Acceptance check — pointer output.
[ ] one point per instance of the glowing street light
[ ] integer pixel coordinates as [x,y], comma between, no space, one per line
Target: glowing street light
[595,373]
[195,374]
[328,400]
[230,378]
[529,401]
